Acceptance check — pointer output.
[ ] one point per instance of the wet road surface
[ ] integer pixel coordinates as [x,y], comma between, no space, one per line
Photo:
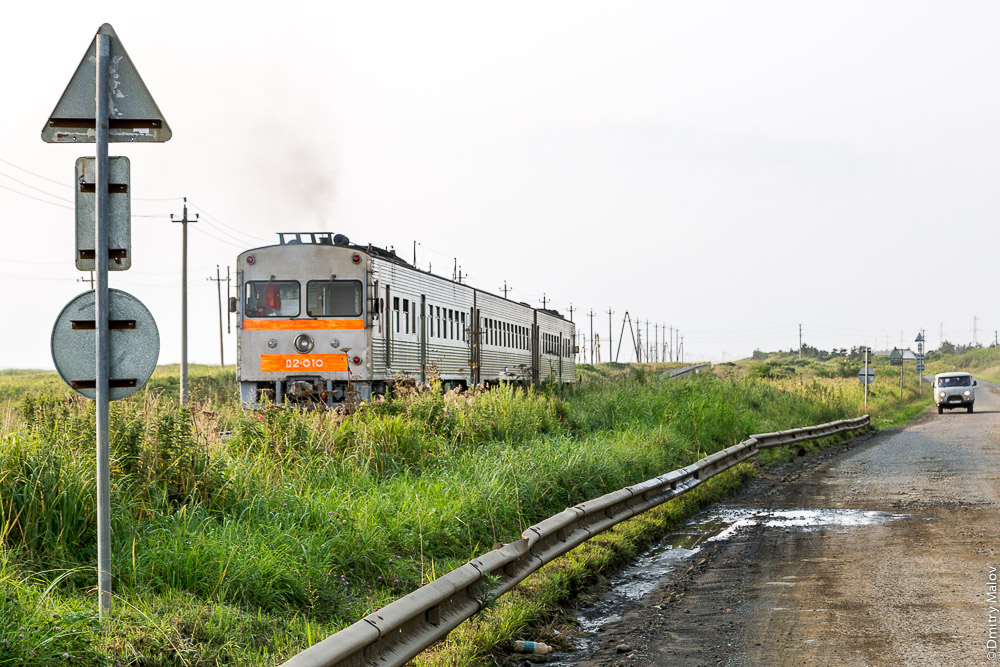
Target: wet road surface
[879,553]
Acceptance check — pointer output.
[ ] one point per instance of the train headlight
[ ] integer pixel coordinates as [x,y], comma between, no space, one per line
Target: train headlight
[356,361]
[335,342]
[303,343]
[272,343]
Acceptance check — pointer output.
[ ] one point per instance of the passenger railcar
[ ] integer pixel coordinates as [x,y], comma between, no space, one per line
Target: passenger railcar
[320,320]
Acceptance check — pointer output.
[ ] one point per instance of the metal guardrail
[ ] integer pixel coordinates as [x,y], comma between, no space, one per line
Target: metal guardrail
[686,370]
[402,629]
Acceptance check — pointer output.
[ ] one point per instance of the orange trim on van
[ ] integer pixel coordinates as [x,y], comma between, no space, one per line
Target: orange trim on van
[301,325]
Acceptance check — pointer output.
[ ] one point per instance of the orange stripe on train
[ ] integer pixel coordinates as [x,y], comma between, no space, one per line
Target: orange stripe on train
[283,363]
[301,325]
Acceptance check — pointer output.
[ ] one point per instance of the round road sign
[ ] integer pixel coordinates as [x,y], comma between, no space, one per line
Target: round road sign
[134,344]
[866,379]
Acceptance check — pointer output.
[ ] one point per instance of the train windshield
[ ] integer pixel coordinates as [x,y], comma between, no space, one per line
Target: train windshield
[334,298]
[271,298]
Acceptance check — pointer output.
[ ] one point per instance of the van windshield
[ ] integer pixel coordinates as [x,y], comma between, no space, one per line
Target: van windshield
[959,381]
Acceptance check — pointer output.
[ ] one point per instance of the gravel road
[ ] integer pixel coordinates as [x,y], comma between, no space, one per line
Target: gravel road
[899,576]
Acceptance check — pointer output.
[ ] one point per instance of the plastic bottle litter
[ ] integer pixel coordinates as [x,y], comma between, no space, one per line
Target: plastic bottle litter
[538,648]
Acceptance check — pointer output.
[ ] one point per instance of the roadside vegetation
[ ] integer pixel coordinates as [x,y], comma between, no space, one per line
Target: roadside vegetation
[241,537]
[983,362]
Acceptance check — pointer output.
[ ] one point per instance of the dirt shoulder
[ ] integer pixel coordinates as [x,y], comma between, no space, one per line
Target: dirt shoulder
[910,590]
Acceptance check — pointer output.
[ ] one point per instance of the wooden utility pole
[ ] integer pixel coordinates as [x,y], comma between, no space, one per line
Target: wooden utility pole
[591,314]
[570,312]
[184,220]
[610,344]
[647,341]
[638,341]
[218,284]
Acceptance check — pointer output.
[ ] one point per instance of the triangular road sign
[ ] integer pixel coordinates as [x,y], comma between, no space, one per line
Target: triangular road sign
[134,115]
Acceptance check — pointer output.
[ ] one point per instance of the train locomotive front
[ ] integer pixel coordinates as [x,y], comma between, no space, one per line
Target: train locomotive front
[303,321]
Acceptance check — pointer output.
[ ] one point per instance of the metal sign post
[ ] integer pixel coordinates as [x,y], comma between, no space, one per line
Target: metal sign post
[101,319]
[104,101]
[866,376]
[920,362]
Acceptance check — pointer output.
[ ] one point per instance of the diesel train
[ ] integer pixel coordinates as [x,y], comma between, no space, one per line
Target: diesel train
[322,321]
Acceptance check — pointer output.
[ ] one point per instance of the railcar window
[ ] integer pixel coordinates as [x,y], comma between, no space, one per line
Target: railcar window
[334,298]
[406,316]
[437,317]
[271,298]
[395,313]
[463,327]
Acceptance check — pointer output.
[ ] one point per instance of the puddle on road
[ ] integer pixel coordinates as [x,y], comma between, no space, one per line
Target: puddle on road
[718,524]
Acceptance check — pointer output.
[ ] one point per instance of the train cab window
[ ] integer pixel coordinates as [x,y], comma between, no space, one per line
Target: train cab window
[271,298]
[334,298]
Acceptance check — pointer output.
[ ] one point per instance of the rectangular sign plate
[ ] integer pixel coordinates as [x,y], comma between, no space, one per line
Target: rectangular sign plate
[119,214]
[316,363]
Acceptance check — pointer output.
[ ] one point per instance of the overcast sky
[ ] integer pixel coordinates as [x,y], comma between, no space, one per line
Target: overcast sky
[732,169]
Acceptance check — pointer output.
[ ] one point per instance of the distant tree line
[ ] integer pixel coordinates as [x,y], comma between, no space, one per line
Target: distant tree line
[810,352]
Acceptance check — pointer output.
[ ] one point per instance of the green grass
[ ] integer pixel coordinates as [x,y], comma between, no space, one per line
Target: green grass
[240,538]
[982,362]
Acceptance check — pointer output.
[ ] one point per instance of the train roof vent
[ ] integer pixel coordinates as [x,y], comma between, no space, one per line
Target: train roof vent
[316,238]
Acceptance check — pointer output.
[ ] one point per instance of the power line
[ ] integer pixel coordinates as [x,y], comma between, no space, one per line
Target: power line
[36,189]
[216,219]
[67,185]
[44,201]
[28,171]
[201,230]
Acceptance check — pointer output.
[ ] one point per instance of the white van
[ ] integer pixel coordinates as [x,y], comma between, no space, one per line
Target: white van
[954,390]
